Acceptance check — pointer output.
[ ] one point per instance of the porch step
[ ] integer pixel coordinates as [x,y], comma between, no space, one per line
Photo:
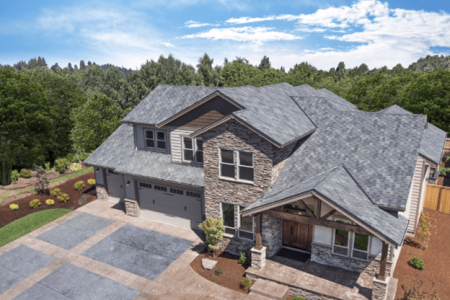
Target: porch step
[270,289]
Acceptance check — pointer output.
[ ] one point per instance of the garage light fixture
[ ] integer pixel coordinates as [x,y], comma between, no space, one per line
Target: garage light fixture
[128,183]
[98,169]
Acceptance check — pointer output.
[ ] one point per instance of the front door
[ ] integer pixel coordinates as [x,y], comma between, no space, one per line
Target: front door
[297,234]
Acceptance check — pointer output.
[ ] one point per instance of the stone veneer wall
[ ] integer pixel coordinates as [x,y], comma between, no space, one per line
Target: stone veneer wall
[102,194]
[323,255]
[132,208]
[380,288]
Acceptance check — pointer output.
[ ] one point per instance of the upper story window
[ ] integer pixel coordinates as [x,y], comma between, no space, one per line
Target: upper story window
[245,165]
[192,150]
[155,139]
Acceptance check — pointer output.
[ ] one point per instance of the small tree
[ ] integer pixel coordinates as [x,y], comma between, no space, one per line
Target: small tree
[213,229]
[424,230]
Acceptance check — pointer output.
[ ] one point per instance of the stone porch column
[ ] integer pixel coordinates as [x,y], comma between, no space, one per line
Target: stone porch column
[380,283]
[132,208]
[258,252]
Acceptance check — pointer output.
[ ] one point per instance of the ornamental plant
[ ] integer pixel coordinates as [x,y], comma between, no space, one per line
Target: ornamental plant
[25,173]
[218,272]
[64,198]
[243,259]
[79,185]
[14,175]
[417,263]
[298,298]
[213,229]
[56,192]
[246,283]
[61,164]
[50,202]
[47,167]
[14,206]
[35,203]
[91,181]
[424,232]
[75,167]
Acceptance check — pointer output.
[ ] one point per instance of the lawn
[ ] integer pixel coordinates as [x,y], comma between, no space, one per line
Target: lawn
[27,224]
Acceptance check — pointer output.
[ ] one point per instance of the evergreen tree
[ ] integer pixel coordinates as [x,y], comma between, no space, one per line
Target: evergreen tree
[75,67]
[89,63]
[265,63]
[69,66]
[208,76]
[82,65]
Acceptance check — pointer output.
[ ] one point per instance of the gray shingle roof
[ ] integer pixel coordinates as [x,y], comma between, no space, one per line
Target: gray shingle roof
[432,145]
[336,101]
[339,188]
[118,153]
[379,151]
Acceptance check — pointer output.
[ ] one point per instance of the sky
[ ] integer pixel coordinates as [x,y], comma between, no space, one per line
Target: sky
[320,32]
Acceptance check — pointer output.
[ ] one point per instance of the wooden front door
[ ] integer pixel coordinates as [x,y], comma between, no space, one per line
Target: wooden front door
[297,234]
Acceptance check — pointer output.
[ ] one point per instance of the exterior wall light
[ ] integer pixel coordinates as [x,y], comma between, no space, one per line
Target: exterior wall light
[128,183]
[98,169]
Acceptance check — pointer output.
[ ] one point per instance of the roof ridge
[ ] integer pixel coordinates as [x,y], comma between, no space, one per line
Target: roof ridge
[328,176]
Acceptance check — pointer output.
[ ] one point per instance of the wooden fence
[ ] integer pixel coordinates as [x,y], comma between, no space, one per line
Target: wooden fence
[438,198]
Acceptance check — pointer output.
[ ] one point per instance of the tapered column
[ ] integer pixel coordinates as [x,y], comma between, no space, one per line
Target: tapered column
[258,232]
[384,254]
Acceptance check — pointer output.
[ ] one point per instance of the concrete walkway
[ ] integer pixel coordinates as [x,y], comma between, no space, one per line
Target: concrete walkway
[177,281]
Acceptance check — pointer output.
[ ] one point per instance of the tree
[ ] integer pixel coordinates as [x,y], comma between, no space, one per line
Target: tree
[208,75]
[69,66]
[82,65]
[94,122]
[25,121]
[265,63]
[213,229]
[89,63]
[56,68]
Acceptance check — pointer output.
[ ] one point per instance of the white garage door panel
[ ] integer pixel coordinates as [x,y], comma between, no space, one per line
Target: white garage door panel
[163,206]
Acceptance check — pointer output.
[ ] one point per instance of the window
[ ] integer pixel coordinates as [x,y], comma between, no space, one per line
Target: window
[246,225]
[191,194]
[199,151]
[149,139]
[360,246]
[160,188]
[188,149]
[227,163]
[341,240]
[145,185]
[227,211]
[176,191]
[245,166]
[160,140]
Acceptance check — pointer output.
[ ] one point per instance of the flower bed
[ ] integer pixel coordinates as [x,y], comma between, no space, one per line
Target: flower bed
[8,215]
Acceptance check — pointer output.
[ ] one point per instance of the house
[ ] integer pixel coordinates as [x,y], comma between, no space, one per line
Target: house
[285,167]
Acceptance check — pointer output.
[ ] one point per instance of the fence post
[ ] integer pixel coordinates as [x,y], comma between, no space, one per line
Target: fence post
[439,199]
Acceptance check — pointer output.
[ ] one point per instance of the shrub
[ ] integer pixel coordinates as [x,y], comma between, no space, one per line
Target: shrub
[61,165]
[47,166]
[56,192]
[84,156]
[246,283]
[213,229]
[218,272]
[91,181]
[14,175]
[35,203]
[25,173]
[14,206]
[76,167]
[297,298]
[69,157]
[79,185]
[243,259]
[64,198]
[50,202]
[417,263]
[443,171]
[424,230]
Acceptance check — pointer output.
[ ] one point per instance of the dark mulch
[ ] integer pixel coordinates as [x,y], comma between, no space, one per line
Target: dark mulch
[435,257]
[294,255]
[232,275]
[7,215]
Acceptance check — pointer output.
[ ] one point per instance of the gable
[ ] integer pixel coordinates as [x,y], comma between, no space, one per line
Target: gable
[205,114]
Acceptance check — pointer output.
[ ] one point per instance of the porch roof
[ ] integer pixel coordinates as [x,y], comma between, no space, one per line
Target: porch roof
[338,189]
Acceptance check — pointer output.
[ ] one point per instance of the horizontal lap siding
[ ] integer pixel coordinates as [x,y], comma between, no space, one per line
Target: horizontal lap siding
[175,141]
[415,198]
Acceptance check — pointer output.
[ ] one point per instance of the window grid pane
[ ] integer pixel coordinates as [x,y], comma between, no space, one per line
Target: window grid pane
[227,156]
[199,156]
[227,171]
[246,159]
[246,173]
[199,145]
[228,215]
[161,135]
[161,145]
[188,155]
[187,143]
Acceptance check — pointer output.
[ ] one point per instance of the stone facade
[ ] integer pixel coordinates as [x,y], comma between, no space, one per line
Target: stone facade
[380,288]
[271,233]
[236,246]
[323,255]
[102,194]
[132,208]
[258,258]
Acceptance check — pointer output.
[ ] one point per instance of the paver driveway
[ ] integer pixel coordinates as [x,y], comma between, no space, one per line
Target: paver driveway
[98,252]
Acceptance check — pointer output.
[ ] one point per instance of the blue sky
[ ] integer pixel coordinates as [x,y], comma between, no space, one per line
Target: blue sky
[321,32]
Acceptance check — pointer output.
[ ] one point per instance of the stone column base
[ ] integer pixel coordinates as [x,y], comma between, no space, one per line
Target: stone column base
[380,287]
[258,258]
[102,194]
[132,208]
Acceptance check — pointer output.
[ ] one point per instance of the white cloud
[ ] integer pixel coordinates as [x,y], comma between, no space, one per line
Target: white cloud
[308,29]
[194,24]
[256,35]
[245,20]
[326,49]
[168,45]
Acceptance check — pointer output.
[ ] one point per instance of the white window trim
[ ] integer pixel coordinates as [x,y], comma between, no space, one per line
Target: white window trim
[229,164]
[348,244]
[158,140]
[145,139]
[183,148]
[196,150]
[239,165]
[234,219]
[354,249]
[239,226]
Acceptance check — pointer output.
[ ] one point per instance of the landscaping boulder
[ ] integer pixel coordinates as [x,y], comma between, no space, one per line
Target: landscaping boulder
[208,264]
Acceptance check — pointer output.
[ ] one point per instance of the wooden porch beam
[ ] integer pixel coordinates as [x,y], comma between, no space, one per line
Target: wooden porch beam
[320,222]
[329,214]
[308,211]
[384,254]
[258,232]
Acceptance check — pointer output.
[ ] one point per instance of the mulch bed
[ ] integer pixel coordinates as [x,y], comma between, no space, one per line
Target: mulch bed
[232,271]
[8,215]
[435,257]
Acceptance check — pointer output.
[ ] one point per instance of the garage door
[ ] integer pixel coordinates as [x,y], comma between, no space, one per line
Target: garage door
[170,205]
[116,190]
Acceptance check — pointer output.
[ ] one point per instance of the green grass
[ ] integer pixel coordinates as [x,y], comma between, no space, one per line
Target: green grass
[27,224]
[72,175]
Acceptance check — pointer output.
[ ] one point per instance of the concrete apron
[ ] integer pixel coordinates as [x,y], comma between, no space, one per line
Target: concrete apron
[177,281]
